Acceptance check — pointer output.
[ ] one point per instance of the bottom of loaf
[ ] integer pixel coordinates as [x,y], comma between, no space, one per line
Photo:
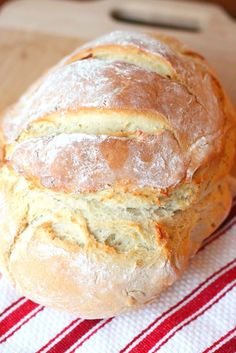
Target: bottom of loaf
[67,252]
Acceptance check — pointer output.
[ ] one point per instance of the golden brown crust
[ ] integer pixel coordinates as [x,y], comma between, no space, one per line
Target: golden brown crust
[125,88]
[117,86]
[115,168]
[90,280]
[176,61]
[93,277]
[79,162]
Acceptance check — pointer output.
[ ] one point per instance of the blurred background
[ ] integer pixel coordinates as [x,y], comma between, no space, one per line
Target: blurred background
[228,5]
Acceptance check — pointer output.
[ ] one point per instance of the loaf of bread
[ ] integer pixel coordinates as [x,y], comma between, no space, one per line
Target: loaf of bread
[114,170]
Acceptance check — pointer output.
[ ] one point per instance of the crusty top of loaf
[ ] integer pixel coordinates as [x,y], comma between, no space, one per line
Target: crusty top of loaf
[126,109]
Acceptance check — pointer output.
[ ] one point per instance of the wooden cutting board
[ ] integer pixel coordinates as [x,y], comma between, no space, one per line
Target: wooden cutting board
[36,34]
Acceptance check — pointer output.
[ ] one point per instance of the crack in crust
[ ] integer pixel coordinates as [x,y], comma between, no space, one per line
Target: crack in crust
[156,53]
[22,227]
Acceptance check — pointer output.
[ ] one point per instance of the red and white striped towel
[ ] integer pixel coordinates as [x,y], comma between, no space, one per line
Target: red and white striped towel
[196,315]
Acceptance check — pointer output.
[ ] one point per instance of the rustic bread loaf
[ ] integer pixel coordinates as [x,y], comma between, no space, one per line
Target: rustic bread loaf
[114,170]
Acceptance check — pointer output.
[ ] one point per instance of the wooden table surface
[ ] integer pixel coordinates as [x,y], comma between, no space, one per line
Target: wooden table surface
[228,5]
